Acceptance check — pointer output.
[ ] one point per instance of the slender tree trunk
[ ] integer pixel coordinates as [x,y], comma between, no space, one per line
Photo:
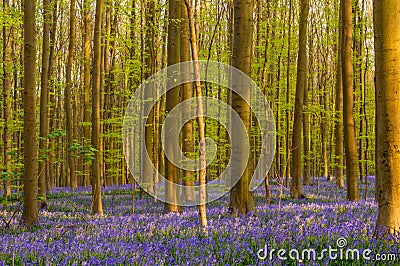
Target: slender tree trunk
[86,84]
[324,118]
[301,85]
[97,207]
[188,193]
[339,108]
[159,57]
[387,58]
[229,92]
[266,77]
[200,119]
[15,136]
[241,199]
[131,84]
[349,128]
[30,210]
[68,99]
[113,102]
[156,145]
[44,99]
[307,116]
[61,176]
[104,102]
[306,140]
[279,156]
[132,164]
[359,82]
[148,94]
[288,112]
[7,103]
[51,86]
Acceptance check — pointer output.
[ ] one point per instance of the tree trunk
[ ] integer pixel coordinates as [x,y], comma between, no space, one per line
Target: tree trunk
[30,211]
[241,199]
[339,109]
[387,58]
[51,80]
[324,122]
[86,84]
[97,207]
[301,85]
[349,128]
[105,103]
[188,193]
[268,78]
[148,94]
[44,99]
[172,98]
[7,103]
[288,111]
[68,100]
[200,120]
[306,140]
[360,83]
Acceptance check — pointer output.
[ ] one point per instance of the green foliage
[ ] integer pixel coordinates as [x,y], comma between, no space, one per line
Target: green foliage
[88,152]
[6,176]
[57,133]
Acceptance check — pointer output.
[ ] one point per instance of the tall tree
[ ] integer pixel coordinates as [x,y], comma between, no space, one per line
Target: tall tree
[150,54]
[50,182]
[301,86]
[68,99]
[30,211]
[188,193]
[359,82]
[387,58]
[86,83]
[339,109]
[306,139]
[200,118]
[348,119]
[172,98]
[97,206]
[241,199]
[44,100]
[288,112]
[7,102]
[105,95]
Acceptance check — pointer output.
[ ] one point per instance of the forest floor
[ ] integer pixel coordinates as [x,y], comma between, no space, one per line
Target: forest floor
[320,230]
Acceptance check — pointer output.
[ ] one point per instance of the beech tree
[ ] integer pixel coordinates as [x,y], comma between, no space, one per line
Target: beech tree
[241,199]
[44,101]
[86,83]
[97,206]
[339,109]
[7,103]
[150,54]
[387,58]
[349,127]
[68,100]
[188,194]
[172,99]
[200,118]
[30,211]
[301,86]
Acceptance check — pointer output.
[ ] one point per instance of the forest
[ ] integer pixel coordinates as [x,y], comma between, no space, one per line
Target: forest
[200,132]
